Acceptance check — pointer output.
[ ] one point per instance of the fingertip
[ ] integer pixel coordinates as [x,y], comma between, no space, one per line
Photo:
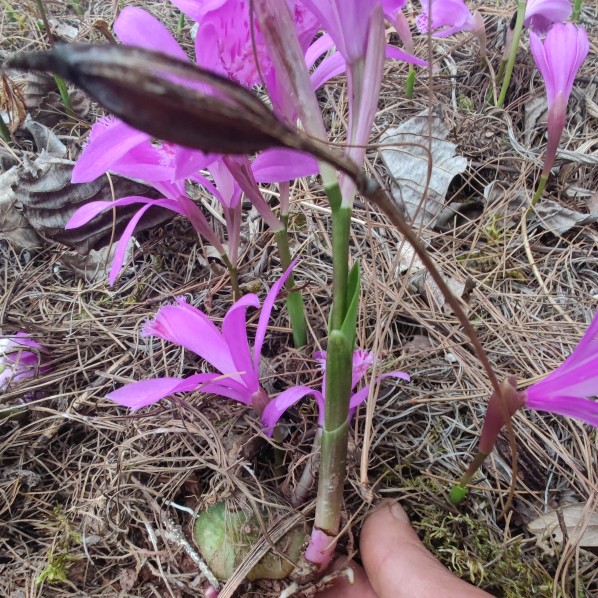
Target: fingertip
[399,566]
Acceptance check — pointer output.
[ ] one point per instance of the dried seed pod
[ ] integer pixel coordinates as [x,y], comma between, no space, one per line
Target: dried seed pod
[175,100]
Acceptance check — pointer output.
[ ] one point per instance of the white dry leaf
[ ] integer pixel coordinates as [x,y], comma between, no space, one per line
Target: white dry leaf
[420,278]
[558,219]
[63,30]
[548,214]
[580,524]
[535,118]
[405,154]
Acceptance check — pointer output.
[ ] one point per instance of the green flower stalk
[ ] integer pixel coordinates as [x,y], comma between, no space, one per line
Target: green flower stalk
[517,29]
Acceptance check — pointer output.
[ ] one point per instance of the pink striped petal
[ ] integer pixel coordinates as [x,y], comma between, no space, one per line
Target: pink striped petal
[137,27]
[109,142]
[265,315]
[190,328]
[234,331]
[145,392]
[277,406]
[281,165]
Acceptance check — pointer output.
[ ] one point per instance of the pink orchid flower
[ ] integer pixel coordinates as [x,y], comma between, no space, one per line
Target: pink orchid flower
[362,362]
[565,391]
[558,59]
[20,358]
[226,350]
[541,14]
[115,146]
[356,29]
[447,17]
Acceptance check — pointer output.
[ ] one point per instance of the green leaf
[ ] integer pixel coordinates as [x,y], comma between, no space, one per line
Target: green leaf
[349,327]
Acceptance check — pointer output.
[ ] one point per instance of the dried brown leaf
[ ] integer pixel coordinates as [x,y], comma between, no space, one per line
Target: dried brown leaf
[37,199]
[12,103]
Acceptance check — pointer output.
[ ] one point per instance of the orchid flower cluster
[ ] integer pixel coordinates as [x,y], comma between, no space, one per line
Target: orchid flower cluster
[289,49]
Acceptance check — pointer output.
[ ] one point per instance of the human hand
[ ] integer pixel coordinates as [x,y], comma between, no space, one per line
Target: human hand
[397,564]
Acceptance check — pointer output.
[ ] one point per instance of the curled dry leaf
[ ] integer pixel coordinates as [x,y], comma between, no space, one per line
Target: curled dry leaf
[548,214]
[414,168]
[580,522]
[37,199]
[12,104]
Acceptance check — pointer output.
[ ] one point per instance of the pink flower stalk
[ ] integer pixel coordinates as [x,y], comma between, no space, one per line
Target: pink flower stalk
[541,14]
[227,350]
[558,59]
[362,362]
[565,391]
[20,358]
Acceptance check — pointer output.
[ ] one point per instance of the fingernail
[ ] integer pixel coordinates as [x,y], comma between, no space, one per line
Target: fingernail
[399,513]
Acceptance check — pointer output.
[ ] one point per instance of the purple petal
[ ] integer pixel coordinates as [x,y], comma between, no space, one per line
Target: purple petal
[398,54]
[361,395]
[541,14]
[137,27]
[277,406]
[90,210]
[109,142]
[330,67]
[318,49]
[195,10]
[234,331]
[580,408]
[190,328]
[265,314]
[279,165]
[123,242]
[362,362]
[145,392]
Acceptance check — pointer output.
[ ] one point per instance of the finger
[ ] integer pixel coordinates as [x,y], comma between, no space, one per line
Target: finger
[399,566]
[343,588]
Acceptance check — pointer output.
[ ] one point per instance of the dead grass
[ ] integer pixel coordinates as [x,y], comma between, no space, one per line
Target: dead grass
[81,478]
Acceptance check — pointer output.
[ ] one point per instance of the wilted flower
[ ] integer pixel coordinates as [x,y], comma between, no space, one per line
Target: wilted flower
[558,59]
[227,350]
[20,358]
[362,361]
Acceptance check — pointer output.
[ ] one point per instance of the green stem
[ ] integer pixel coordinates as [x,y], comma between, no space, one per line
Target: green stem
[521,5]
[576,11]
[539,190]
[294,299]
[4,131]
[536,197]
[498,81]
[410,82]
[341,228]
[459,491]
[333,465]
[339,358]
[234,276]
